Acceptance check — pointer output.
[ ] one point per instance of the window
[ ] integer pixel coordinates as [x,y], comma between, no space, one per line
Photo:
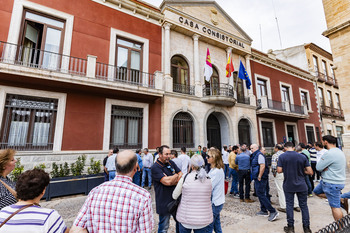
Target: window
[240,89]
[126,127]
[310,134]
[340,132]
[180,71]
[41,40]
[324,67]
[320,94]
[330,101]
[28,123]
[315,64]
[129,60]
[285,94]
[213,87]
[244,132]
[262,88]
[183,130]
[332,72]
[337,101]
[267,133]
[318,134]
[304,99]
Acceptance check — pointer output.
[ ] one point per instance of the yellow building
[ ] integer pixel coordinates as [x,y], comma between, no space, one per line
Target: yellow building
[337,14]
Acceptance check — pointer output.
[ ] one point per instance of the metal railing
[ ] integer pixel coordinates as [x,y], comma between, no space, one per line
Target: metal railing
[330,111]
[276,105]
[41,59]
[218,90]
[321,77]
[243,100]
[337,112]
[297,109]
[330,80]
[340,226]
[185,89]
[124,75]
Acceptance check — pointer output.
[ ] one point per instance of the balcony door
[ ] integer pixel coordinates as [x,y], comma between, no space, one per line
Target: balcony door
[213,86]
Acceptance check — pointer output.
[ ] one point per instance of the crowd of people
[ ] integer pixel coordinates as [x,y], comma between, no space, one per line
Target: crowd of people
[196,184]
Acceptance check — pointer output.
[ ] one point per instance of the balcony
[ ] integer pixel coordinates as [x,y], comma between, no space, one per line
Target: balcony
[184,89]
[221,94]
[336,85]
[330,80]
[41,64]
[268,107]
[332,112]
[321,77]
[243,100]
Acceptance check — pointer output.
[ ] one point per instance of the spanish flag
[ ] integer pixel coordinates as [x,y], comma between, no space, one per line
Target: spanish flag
[229,67]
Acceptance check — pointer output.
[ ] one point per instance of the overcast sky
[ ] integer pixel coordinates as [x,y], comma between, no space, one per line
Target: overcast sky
[300,21]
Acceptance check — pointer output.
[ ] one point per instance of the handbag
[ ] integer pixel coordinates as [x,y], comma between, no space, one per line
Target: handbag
[174,204]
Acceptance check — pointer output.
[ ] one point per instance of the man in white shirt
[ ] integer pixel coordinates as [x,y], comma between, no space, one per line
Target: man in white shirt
[147,164]
[185,160]
[225,161]
[110,165]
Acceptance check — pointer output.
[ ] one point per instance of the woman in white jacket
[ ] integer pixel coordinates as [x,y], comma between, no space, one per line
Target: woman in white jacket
[195,210]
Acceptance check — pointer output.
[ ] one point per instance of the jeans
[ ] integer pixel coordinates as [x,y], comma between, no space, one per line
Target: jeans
[163,224]
[216,224]
[332,192]
[302,198]
[226,170]
[261,192]
[307,179]
[234,187]
[183,229]
[111,175]
[244,177]
[106,176]
[146,171]
[316,174]
[137,178]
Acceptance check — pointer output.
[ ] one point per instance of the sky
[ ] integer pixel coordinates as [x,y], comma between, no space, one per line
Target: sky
[300,21]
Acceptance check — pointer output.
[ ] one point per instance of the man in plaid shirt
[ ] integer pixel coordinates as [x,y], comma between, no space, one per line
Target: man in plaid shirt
[117,205]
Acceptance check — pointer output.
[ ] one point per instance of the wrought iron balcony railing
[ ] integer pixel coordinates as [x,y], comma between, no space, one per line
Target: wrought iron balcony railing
[184,89]
[276,105]
[297,109]
[321,77]
[243,100]
[225,90]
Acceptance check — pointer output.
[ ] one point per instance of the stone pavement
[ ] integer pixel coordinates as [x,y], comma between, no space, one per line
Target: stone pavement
[235,217]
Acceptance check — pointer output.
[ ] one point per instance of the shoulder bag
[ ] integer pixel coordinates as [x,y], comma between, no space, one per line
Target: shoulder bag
[174,204]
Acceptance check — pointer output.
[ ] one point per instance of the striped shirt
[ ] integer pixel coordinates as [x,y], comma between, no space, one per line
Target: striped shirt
[117,206]
[32,219]
[6,198]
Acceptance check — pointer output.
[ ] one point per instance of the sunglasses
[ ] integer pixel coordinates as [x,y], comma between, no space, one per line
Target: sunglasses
[208,156]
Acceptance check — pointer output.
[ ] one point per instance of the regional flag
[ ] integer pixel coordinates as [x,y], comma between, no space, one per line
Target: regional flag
[242,74]
[208,69]
[229,67]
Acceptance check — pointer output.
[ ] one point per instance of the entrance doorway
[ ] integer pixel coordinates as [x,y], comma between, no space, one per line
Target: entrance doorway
[244,132]
[213,132]
[291,134]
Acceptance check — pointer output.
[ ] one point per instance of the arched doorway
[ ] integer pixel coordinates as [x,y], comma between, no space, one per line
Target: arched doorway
[244,132]
[218,130]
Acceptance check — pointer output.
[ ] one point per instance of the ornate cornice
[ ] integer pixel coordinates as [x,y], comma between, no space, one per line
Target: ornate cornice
[336,29]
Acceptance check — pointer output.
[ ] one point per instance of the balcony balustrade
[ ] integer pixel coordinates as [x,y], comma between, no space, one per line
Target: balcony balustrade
[243,100]
[221,94]
[321,77]
[184,89]
[330,80]
[332,112]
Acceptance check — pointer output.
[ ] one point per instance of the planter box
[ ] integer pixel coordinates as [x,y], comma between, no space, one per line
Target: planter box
[64,186]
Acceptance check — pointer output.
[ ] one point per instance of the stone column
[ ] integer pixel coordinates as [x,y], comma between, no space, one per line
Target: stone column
[197,80]
[168,84]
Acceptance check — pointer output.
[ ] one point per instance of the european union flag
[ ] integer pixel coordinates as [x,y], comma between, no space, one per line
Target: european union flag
[242,74]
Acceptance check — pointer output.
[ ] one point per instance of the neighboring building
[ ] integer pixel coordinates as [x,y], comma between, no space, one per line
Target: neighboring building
[194,111]
[319,63]
[79,77]
[287,108]
[337,14]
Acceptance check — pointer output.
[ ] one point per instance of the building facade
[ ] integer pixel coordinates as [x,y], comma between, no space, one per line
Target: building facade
[287,107]
[79,78]
[319,63]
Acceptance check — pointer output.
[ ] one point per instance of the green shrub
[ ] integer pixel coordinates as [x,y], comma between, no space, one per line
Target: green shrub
[95,167]
[17,171]
[77,168]
[55,172]
[41,166]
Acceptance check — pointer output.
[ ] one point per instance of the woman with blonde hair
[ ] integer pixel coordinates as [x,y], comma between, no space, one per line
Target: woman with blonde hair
[217,176]
[195,204]
[7,187]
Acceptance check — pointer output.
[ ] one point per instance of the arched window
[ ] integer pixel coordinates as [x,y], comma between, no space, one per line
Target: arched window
[183,130]
[180,70]
[244,132]
[214,80]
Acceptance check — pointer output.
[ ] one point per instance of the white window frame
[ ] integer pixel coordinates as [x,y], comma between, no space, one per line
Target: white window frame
[273,127]
[107,124]
[296,130]
[290,91]
[308,99]
[313,126]
[268,85]
[61,108]
[17,17]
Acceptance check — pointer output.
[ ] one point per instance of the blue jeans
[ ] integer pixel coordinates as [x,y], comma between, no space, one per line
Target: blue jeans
[111,175]
[146,171]
[244,177]
[226,170]
[308,183]
[216,224]
[234,186]
[106,176]
[137,178]
[332,192]
[302,199]
[163,224]
[345,195]
[261,192]
[183,229]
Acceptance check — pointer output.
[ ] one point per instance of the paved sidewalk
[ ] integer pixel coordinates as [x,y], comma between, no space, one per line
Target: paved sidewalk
[235,217]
